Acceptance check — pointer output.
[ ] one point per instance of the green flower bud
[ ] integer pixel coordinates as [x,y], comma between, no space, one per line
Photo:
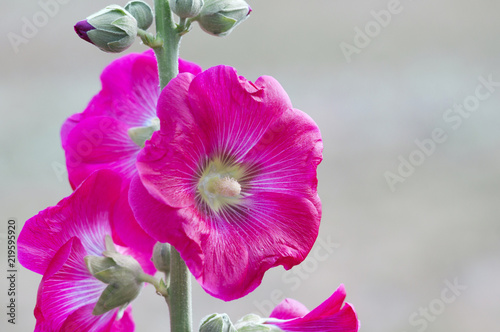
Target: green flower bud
[161,257]
[254,323]
[217,323]
[220,17]
[121,273]
[112,29]
[141,12]
[186,8]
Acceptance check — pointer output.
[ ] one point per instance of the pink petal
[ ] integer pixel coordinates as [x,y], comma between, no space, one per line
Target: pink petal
[289,309]
[329,316]
[85,214]
[330,306]
[218,114]
[214,113]
[164,224]
[164,165]
[286,158]
[230,257]
[67,286]
[129,231]
[100,143]
[83,320]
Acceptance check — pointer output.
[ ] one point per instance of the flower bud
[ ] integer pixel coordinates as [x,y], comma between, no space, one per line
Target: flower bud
[217,323]
[186,8]
[121,273]
[141,12]
[161,257]
[254,323]
[220,17]
[112,29]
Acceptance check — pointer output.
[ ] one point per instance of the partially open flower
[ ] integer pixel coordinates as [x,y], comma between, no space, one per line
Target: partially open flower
[57,243]
[292,316]
[230,179]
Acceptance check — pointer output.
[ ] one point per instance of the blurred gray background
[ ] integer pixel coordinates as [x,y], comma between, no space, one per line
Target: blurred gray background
[397,250]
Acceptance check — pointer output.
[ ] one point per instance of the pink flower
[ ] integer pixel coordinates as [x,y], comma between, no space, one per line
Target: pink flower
[100,136]
[55,242]
[230,179]
[329,316]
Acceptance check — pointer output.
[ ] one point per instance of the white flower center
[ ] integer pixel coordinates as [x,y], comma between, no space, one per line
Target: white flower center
[223,186]
[220,185]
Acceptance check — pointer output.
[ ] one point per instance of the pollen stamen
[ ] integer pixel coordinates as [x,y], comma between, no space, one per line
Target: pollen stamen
[227,187]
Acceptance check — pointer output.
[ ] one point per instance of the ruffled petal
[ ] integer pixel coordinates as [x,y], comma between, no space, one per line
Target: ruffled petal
[275,151]
[229,254]
[232,112]
[242,243]
[85,214]
[215,113]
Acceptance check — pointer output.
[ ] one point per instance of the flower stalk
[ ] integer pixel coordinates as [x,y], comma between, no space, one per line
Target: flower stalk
[167,55]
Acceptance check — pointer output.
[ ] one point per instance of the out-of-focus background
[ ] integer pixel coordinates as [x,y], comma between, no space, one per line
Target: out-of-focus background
[407,95]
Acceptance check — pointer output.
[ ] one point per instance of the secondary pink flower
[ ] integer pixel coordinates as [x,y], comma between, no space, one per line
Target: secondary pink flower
[230,179]
[100,136]
[55,242]
[330,316]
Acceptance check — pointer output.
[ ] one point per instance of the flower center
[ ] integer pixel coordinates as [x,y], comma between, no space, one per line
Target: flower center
[226,186]
[141,134]
[219,184]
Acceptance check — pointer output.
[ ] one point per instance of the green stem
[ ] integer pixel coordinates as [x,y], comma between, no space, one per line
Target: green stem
[167,54]
[161,288]
[179,294]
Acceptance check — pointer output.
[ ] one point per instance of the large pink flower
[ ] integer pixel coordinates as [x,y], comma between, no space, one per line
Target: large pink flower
[100,136]
[230,179]
[329,316]
[55,242]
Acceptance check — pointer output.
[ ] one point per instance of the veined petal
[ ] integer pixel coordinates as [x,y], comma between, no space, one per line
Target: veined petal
[232,112]
[286,158]
[83,320]
[234,167]
[66,286]
[85,214]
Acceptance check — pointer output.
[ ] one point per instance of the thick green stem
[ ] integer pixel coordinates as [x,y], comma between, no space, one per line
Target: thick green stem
[179,294]
[167,54]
